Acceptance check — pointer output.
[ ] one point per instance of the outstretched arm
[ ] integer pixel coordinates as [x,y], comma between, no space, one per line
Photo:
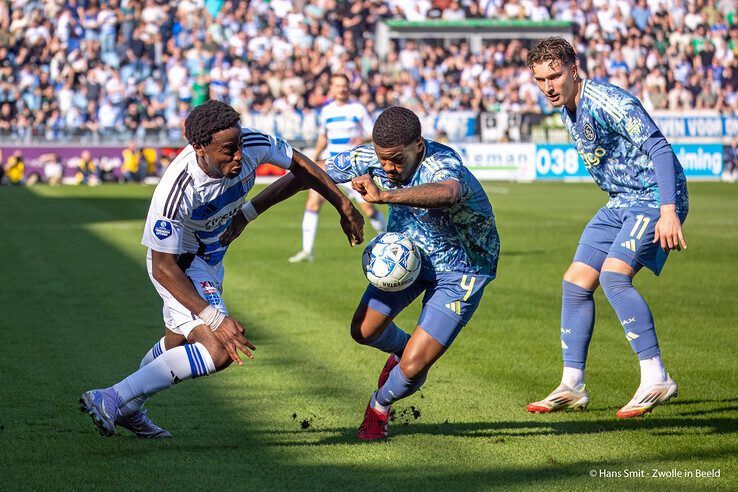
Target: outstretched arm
[310,174]
[668,231]
[443,194]
[304,174]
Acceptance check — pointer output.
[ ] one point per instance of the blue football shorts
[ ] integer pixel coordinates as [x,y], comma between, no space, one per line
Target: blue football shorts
[448,304]
[626,234]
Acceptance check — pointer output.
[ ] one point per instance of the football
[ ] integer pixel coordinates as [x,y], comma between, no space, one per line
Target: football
[391,261]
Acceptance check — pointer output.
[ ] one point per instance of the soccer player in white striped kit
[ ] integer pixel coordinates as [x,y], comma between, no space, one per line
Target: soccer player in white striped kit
[196,211]
[343,124]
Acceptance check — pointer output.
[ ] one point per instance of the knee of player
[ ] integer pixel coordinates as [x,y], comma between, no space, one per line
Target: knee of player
[357,334]
[222,359]
[218,353]
[586,279]
[413,369]
[614,284]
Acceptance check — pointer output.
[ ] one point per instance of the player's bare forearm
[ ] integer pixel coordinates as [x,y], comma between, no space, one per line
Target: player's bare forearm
[311,175]
[430,195]
[282,189]
[170,276]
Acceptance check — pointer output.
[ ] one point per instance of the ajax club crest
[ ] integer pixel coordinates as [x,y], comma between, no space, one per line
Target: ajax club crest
[589,132]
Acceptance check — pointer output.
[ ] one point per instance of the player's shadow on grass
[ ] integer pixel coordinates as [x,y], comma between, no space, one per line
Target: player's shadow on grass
[503,430]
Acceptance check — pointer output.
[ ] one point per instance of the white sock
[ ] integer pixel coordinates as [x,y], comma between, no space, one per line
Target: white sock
[652,370]
[573,377]
[376,406]
[378,222]
[174,365]
[309,229]
[136,404]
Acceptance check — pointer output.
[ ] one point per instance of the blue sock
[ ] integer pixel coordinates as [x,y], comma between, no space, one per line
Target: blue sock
[633,312]
[392,340]
[398,387]
[577,323]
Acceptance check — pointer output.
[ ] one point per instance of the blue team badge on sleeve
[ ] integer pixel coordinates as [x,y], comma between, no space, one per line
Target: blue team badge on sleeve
[162,229]
[342,161]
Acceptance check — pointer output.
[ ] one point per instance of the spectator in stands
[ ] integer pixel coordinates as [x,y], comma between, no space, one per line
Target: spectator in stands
[76,67]
[87,171]
[53,170]
[133,164]
[14,169]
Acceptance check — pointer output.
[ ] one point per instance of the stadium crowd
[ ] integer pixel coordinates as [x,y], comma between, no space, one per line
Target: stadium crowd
[122,67]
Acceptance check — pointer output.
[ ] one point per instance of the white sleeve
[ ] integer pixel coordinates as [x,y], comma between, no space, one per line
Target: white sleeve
[164,231]
[266,149]
[321,123]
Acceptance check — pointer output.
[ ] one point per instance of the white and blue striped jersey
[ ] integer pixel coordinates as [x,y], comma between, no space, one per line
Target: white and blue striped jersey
[190,211]
[341,122]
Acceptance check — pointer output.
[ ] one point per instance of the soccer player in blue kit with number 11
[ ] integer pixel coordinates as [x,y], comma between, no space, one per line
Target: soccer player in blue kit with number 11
[628,157]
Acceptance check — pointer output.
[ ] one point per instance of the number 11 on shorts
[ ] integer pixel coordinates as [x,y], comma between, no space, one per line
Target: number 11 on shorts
[640,219]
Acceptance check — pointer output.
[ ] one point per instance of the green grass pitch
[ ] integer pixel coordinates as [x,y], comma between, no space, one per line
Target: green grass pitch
[78,312]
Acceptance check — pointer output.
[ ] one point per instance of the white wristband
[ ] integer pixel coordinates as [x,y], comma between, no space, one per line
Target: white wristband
[249,211]
[212,317]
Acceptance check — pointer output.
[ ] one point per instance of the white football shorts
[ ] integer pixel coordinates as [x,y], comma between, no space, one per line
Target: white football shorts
[207,280]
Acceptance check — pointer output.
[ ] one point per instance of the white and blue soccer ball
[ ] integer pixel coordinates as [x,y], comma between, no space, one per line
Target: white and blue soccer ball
[391,261]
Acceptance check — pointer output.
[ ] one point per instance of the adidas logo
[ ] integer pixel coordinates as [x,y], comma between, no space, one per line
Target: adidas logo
[455,306]
[629,244]
[631,336]
[563,345]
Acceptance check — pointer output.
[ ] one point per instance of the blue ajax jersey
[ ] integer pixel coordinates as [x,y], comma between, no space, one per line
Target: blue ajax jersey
[462,238]
[608,130]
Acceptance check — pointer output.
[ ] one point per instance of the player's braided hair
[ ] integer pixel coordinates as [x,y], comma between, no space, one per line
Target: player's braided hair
[208,119]
[396,126]
[551,49]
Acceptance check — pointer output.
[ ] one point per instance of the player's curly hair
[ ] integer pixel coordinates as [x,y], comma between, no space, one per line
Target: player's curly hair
[208,119]
[551,49]
[396,126]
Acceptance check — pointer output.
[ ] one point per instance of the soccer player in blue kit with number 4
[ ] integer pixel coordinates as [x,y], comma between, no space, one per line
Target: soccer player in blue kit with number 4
[435,201]
[628,157]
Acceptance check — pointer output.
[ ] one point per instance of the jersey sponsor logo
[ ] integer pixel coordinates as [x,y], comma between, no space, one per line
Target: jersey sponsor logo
[219,221]
[162,229]
[593,158]
[589,132]
[210,293]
